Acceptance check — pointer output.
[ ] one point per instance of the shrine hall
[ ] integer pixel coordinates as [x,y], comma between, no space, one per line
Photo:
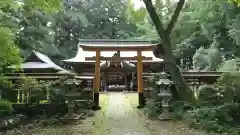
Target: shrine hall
[116,65]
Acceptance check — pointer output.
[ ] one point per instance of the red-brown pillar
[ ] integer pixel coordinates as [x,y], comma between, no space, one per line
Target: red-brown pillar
[140,79]
[97,80]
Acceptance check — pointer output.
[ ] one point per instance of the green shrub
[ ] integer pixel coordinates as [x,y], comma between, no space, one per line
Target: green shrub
[153,108]
[209,95]
[215,119]
[179,109]
[5,108]
[7,90]
[218,106]
[229,84]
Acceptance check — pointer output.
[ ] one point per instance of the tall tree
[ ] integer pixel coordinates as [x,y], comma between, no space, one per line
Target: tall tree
[164,49]
[9,51]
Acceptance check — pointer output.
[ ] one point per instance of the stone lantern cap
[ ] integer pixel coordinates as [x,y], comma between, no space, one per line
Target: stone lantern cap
[73,80]
[163,79]
[164,94]
[164,82]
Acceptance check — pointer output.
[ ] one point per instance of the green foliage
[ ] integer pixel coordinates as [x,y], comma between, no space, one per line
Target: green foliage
[207,59]
[45,5]
[57,94]
[218,106]
[229,84]
[153,105]
[5,108]
[180,109]
[236,1]
[9,52]
[153,108]
[229,66]
[210,95]
[214,119]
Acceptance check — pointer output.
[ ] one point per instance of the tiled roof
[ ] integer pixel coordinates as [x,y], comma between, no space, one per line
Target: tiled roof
[41,61]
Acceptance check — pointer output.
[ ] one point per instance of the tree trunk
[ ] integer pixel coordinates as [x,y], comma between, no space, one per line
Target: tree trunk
[184,92]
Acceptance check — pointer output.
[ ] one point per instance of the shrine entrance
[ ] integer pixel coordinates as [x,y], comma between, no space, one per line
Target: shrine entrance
[114,82]
[138,48]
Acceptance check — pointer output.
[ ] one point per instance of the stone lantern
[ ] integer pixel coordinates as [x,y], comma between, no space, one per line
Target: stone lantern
[71,95]
[165,95]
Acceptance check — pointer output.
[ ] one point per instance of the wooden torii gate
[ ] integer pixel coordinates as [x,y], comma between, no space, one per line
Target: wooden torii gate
[120,47]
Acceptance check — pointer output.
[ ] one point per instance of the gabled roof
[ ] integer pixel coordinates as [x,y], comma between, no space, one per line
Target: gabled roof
[37,60]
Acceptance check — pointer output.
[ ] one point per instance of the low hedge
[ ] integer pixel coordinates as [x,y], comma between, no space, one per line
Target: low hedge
[5,108]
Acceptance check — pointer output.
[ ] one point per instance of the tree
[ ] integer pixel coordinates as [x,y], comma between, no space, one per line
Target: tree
[236,1]
[9,51]
[164,49]
[57,34]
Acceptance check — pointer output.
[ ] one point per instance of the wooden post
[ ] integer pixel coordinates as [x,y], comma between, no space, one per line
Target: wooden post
[126,81]
[105,81]
[140,79]
[97,80]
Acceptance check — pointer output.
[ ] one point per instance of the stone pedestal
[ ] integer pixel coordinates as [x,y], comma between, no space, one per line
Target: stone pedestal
[165,115]
[70,114]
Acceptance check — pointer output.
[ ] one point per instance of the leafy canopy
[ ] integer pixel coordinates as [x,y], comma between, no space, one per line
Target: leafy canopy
[9,52]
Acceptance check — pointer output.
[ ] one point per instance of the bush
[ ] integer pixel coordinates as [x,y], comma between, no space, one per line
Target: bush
[153,108]
[5,108]
[7,90]
[229,84]
[215,119]
[179,109]
[218,106]
[210,95]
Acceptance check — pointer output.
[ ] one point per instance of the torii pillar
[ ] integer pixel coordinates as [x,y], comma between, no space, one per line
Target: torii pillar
[97,80]
[141,99]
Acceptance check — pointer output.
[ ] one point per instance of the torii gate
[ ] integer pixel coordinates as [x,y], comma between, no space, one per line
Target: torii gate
[119,47]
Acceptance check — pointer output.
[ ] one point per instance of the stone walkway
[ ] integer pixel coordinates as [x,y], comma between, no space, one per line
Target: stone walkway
[119,118]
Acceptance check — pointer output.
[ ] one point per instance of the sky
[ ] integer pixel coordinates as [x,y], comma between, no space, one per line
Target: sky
[138,3]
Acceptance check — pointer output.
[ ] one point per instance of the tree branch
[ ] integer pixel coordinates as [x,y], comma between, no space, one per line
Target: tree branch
[155,18]
[175,16]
